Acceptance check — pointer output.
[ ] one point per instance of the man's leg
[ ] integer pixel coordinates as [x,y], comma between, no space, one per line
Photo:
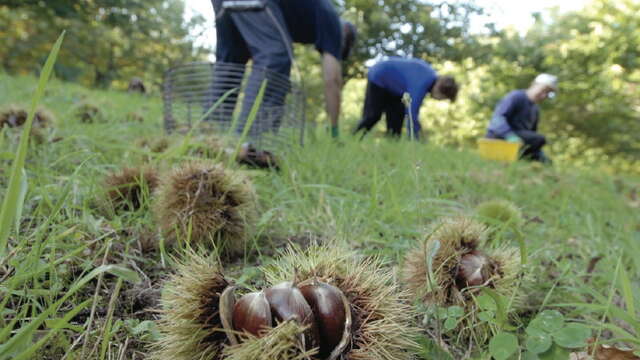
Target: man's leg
[374,104]
[533,143]
[269,43]
[395,113]
[231,56]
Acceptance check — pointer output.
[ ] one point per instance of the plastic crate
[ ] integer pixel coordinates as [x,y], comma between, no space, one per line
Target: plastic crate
[495,149]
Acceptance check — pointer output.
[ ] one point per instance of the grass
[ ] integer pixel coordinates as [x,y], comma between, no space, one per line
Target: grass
[69,258]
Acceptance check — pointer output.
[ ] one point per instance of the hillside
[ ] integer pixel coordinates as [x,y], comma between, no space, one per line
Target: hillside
[580,229]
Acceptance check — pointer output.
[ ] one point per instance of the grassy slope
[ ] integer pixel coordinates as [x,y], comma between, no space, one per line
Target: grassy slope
[378,195]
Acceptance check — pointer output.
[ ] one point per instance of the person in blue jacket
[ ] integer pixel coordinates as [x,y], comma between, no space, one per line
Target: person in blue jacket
[517,115]
[389,80]
[263,31]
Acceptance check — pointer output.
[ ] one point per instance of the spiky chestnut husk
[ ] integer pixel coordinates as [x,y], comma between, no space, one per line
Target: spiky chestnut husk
[155,145]
[453,240]
[281,342]
[88,113]
[134,117]
[506,280]
[498,212]
[382,319]
[15,116]
[128,188]
[190,324]
[205,203]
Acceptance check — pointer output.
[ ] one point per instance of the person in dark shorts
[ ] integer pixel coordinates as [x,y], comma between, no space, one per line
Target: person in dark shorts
[517,115]
[389,80]
[264,31]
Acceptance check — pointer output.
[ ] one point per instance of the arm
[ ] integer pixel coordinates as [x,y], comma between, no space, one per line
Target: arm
[417,97]
[499,124]
[332,73]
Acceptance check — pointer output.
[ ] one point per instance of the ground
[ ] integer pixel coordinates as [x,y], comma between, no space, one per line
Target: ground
[379,196]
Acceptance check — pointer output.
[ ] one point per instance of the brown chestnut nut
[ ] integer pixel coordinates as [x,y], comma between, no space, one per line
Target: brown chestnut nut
[288,303]
[331,311]
[252,314]
[473,269]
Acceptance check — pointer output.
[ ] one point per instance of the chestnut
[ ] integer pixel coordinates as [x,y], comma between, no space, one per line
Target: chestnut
[332,313]
[287,303]
[252,314]
[473,269]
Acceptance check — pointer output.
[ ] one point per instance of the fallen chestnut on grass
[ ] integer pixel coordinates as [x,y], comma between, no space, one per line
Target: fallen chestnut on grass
[129,188]
[339,307]
[378,323]
[204,204]
[474,269]
[450,269]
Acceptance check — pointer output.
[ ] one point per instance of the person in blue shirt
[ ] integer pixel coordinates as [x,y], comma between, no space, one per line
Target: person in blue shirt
[389,80]
[263,31]
[517,115]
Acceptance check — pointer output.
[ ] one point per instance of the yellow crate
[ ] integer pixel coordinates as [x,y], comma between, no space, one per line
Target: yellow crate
[495,149]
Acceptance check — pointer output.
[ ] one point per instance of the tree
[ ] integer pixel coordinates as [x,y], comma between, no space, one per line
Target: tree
[434,31]
[108,40]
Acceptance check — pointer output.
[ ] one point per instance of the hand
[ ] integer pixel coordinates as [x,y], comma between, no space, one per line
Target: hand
[513,138]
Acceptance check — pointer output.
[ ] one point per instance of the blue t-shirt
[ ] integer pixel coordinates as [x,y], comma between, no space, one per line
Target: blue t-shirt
[314,22]
[399,75]
[519,112]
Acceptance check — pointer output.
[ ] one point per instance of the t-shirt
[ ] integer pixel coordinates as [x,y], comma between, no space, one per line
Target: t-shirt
[519,111]
[399,75]
[314,22]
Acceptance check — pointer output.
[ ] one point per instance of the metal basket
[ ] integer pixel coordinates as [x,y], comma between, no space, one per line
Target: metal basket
[191,90]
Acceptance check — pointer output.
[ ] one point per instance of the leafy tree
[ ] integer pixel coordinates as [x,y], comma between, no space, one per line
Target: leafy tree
[108,40]
[434,31]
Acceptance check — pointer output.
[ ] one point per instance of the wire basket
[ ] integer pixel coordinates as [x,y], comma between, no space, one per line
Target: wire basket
[218,98]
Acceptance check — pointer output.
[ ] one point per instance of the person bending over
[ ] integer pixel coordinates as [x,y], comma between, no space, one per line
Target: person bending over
[389,80]
[264,31]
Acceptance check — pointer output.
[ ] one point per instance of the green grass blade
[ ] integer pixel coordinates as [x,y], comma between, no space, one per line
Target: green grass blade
[28,330]
[11,203]
[106,334]
[24,185]
[181,150]
[501,309]
[252,117]
[6,331]
[627,292]
[59,325]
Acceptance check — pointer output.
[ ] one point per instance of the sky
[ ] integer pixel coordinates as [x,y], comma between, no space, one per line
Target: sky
[504,13]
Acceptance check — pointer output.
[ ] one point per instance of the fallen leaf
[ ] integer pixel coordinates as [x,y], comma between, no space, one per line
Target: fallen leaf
[605,352]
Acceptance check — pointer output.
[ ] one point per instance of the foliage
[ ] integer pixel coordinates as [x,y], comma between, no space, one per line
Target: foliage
[108,41]
[433,30]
